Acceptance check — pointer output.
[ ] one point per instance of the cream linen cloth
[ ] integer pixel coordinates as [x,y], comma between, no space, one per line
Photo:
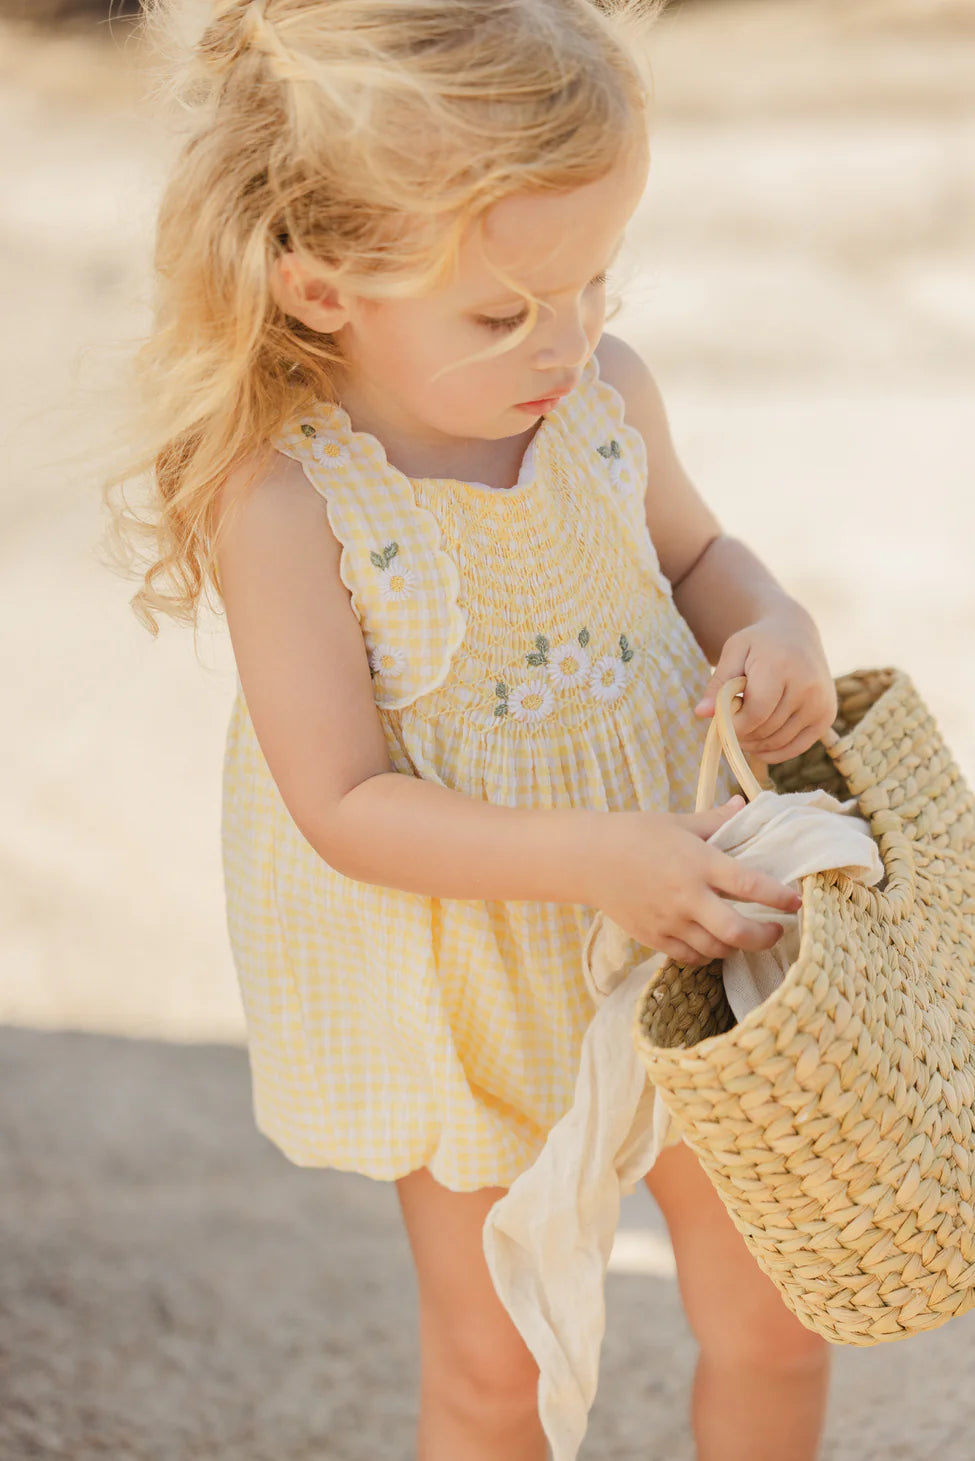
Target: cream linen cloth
[548,1240]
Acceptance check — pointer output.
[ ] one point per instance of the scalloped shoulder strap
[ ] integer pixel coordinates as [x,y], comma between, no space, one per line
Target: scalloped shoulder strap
[612,453]
[403,586]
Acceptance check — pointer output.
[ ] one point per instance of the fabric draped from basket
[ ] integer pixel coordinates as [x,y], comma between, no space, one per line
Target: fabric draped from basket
[837,1120]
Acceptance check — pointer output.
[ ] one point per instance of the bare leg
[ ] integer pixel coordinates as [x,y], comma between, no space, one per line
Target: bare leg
[762,1378]
[479,1383]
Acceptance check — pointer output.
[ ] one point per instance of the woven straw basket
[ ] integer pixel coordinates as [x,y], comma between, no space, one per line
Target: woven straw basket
[837,1120]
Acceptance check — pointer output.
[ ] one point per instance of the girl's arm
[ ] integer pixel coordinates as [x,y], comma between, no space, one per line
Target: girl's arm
[741,617]
[305,675]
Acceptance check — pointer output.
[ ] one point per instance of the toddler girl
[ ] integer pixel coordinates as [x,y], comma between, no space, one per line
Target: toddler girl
[473,599]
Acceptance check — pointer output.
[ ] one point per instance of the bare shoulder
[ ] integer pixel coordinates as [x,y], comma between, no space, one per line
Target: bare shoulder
[264,485]
[621,367]
[267,506]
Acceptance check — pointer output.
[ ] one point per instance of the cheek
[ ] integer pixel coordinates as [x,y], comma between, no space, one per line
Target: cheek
[416,350]
[404,348]
[442,366]
[595,313]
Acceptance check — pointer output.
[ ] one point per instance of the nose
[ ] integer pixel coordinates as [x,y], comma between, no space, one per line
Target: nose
[563,339]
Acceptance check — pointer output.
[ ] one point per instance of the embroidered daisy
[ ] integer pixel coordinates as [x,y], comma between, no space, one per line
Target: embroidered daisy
[607,678]
[568,665]
[398,584]
[531,702]
[387,660]
[330,451]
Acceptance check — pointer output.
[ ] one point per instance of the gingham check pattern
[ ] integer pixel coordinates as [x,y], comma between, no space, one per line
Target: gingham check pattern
[531,655]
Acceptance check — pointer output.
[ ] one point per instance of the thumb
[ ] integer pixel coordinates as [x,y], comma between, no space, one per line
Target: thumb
[730,665]
[705,824]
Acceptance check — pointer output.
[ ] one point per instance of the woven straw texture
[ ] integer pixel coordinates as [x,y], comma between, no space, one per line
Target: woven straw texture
[836,1121]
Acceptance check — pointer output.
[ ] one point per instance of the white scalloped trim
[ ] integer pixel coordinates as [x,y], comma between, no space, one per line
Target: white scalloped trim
[420,522]
[615,408]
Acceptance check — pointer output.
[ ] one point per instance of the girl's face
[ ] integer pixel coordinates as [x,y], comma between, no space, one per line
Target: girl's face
[408,360]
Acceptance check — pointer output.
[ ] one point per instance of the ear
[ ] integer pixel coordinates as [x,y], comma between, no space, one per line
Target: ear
[312,298]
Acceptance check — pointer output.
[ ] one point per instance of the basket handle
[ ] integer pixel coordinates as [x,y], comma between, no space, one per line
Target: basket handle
[723,740]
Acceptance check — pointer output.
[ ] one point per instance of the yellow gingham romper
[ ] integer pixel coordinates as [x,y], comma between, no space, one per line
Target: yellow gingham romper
[525,650]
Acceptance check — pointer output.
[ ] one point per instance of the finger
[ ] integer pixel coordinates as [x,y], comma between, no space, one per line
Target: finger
[809,721]
[680,952]
[705,706]
[730,666]
[781,715]
[748,885]
[801,743]
[705,824]
[790,730]
[760,702]
[725,923]
[705,942]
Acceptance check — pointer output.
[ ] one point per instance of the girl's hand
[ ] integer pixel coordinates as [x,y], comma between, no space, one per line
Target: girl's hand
[653,873]
[790,699]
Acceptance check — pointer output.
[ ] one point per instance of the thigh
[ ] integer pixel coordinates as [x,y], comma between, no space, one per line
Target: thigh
[463,1324]
[733,1308]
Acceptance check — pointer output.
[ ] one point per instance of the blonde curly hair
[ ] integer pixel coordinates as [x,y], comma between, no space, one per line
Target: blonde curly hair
[366,135]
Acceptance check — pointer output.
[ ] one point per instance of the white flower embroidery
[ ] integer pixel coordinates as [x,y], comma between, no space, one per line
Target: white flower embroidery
[330,451]
[531,702]
[387,660]
[615,471]
[568,665]
[607,678]
[398,584]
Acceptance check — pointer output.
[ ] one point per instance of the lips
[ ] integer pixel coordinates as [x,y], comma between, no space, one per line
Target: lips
[551,398]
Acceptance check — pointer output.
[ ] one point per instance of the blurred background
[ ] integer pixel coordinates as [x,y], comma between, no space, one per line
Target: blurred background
[800,278]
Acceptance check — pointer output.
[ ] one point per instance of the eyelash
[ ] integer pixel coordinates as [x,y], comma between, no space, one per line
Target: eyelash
[513,322]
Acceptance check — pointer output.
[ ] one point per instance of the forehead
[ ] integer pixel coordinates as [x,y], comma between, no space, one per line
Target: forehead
[553,241]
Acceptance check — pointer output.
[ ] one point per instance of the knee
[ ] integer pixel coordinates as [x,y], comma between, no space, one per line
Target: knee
[769,1339]
[477,1373]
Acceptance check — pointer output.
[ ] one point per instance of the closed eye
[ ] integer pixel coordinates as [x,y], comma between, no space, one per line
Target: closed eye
[514,322]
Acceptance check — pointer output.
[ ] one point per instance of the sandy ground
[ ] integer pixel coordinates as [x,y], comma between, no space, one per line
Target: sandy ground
[800,278]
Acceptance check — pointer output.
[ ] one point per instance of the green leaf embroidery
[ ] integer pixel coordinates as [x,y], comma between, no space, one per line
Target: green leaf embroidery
[384,559]
[501,710]
[610,451]
[501,690]
[626,653]
[539,655]
[307,429]
[583,637]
